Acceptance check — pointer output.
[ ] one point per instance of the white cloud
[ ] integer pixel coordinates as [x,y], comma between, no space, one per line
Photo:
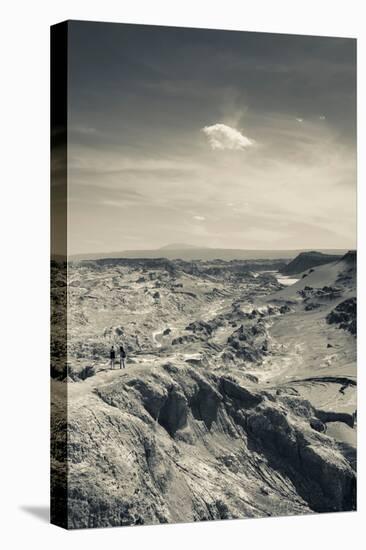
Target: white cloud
[322,117]
[84,130]
[221,136]
[300,120]
[199,218]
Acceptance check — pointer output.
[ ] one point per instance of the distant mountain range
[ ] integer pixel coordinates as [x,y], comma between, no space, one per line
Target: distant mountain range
[178,246]
[189,252]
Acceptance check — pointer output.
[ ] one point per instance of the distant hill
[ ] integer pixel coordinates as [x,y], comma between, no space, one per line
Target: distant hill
[350,258]
[339,273]
[306,260]
[178,246]
[196,254]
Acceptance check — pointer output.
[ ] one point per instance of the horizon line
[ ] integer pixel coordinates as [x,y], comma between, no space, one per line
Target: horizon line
[194,248]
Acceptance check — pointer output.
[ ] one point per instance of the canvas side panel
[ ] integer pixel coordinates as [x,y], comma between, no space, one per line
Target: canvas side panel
[59,274]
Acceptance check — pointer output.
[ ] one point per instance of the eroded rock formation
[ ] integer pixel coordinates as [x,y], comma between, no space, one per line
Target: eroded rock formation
[183,445]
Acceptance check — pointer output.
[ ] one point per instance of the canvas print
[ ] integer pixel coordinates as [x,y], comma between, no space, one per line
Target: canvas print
[203,274]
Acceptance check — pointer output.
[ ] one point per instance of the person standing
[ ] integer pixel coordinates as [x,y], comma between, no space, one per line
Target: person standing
[122,357]
[112,356]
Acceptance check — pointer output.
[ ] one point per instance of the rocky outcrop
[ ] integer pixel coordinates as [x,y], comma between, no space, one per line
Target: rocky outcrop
[185,339]
[332,416]
[344,315]
[200,327]
[326,293]
[180,445]
[323,480]
[243,397]
[249,342]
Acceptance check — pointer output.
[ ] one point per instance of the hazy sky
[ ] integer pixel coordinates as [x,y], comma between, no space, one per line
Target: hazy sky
[211,138]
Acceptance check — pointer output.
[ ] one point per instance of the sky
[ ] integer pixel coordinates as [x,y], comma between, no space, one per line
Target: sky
[212,138]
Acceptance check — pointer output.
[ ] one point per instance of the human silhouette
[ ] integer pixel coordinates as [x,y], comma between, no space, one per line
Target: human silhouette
[112,356]
[122,357]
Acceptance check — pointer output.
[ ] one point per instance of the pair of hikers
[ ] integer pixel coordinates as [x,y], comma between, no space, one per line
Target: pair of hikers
[122,357]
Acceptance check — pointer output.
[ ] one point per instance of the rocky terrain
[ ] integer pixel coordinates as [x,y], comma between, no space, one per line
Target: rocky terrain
[345,315]
[238,398]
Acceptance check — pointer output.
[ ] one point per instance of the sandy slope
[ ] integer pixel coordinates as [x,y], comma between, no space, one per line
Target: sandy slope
[320,276]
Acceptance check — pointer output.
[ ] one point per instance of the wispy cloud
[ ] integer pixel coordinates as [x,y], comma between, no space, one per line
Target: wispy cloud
[199,218]
[84,130]
[221,136]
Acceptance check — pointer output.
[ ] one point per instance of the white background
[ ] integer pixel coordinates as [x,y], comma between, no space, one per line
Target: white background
[24,289]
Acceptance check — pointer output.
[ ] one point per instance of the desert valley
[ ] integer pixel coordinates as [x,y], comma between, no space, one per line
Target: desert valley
[238,398]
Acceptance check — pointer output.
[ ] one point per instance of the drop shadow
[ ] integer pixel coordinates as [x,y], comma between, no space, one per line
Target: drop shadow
[40,512]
